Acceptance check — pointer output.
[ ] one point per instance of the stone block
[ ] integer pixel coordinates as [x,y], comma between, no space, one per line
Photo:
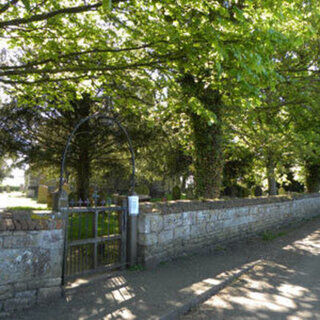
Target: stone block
[147,239]
[4,315]
[214,215]
[182,232]
[6,291]
[20,286]
[40,283]
[29,294]
[26,264]
[222,214]
[50,238]
[20,240]
[21,301]
[49,294]
[165,236]
[156,223]
[198,230]
[172,221]
[211,227]
[143,224]
[188,218]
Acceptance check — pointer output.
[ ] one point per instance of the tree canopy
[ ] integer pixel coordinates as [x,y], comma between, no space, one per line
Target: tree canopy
[218,76]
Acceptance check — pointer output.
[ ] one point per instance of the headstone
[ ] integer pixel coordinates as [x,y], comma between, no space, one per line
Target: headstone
[42,193]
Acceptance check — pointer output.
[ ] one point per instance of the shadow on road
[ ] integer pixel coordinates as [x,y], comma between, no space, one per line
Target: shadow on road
[276,287]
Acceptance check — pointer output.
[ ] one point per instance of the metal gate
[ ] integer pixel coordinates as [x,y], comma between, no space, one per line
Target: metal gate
[95,237]
[95,233]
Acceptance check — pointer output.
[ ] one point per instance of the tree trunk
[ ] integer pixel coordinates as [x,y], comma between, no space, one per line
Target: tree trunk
[208,158]
[272,183]
[83,174]
[312,177]
[208,141]
[83,147]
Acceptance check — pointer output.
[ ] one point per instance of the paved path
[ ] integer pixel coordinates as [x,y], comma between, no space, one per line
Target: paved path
[18,199]
[287,280]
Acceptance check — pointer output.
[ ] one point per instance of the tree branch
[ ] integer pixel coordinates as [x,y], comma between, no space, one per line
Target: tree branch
[74,54]
[48,15]
[5,7]
[86,69]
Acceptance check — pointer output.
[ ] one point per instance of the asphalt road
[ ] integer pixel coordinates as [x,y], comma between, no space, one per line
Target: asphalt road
[284,287]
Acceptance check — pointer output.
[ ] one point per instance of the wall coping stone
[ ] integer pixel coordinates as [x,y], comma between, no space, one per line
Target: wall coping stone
[179,206]
[12,221]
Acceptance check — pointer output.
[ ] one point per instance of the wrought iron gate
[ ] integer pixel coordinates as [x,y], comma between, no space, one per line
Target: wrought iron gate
[95,238]
[95,233]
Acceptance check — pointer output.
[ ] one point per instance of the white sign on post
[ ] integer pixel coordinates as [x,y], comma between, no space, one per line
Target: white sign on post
[133,202]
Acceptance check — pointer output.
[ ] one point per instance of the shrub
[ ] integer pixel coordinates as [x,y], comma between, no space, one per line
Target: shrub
[237,191]
[142,189]
[257,191]
[176,193]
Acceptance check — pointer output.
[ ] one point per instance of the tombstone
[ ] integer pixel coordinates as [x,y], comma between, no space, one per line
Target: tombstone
[31,193]
[42,193]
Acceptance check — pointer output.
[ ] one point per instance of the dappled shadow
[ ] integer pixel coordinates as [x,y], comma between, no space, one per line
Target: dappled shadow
[286,288]
[277,287]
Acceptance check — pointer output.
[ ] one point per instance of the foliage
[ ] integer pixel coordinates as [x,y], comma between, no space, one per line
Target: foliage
[4,170]
[25,208]
[257,191]
[176,193]
[224,91]
[142,189]
[39,135]
[269,236]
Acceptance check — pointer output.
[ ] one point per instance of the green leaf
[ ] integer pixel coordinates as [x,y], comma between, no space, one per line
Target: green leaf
[26,3]
[107,5]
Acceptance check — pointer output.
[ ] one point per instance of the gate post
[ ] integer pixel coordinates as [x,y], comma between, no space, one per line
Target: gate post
[60,200]
[133,206]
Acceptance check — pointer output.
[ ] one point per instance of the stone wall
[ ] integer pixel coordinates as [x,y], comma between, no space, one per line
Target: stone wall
[168,230]
[30,261]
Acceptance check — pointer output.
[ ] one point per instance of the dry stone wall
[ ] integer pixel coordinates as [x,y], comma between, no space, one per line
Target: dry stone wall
[30,261]
[168,230]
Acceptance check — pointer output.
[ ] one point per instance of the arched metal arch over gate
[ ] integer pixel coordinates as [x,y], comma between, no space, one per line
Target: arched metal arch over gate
[95,230]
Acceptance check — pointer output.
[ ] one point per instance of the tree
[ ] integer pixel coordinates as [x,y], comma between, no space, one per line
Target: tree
[203,59]
[4,170]
[227,49]
[39,134]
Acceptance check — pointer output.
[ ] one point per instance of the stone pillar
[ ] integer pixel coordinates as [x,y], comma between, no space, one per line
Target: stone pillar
[61,202]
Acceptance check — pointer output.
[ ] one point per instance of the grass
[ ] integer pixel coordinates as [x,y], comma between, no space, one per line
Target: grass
[136,267]
[25,208]
[269,236]
[39,217]
[220,248]
[81,225]
[167,197]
